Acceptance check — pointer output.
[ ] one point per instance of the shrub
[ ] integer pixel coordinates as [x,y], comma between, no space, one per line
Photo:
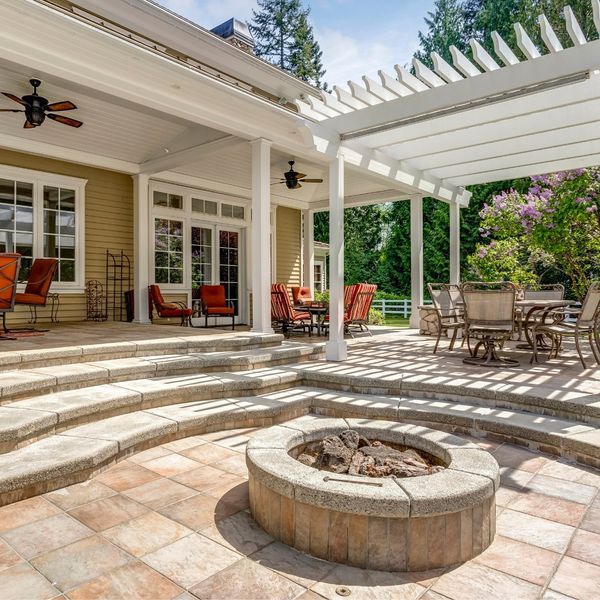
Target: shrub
[376,317]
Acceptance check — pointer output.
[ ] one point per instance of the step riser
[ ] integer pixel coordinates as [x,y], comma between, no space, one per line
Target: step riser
[240,418]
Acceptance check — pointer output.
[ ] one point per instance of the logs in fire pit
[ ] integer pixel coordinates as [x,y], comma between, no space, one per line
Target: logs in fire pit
[352,453]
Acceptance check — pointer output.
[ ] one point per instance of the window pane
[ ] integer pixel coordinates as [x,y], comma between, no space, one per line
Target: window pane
[24,194]
[175,201]
[67,270]
[176,276]
[176,244]
[7,216]
[67,200]
[67,223]
[160,199]
[50,197]
[24,219]
[175,260]
[161,275]
[161,226]
[175,227]
[161,242]
[50,246]
[7,191]
[238,212]
[50,221]
[210,207]
[161,260]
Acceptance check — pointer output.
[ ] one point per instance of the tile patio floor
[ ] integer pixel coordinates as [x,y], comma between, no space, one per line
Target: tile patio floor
[172,522]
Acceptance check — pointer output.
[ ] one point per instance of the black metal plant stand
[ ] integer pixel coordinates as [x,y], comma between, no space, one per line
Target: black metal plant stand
[117,282]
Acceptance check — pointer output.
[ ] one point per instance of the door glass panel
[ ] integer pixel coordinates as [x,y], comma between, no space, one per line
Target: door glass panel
[229,242]
[202,239]
[59,228]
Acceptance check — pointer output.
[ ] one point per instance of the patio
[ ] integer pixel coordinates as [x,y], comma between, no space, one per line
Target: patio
[172,522]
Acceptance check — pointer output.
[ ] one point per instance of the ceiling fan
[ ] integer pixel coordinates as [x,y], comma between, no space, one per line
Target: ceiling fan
[293,179]
[37,108]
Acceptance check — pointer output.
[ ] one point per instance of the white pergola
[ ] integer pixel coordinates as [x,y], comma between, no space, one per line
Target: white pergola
[481,120]
[164,99]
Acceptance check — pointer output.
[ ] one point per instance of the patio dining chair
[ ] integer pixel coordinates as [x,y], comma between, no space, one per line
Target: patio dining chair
[9,273]
[37,288]
[533,292]
[587,325]
[490,319]
[284,314]
[449,310]
[214,303]
[168,310]
[301,295]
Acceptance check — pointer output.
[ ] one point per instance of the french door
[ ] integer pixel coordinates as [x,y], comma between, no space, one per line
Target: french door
[216,259]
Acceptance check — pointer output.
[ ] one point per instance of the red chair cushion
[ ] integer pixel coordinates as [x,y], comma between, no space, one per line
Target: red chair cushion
[40,276]
[176,312]
[213,296]
[219,310]
[301,294]
[27,298]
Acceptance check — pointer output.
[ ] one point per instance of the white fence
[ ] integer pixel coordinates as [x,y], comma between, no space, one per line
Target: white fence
[401,308]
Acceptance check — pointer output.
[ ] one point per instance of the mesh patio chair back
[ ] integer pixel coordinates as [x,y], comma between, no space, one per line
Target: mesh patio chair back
[489,304]
[540,291]
[446,298]
[590,309]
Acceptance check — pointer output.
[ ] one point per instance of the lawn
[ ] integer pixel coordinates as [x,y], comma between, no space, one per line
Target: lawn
[396,321]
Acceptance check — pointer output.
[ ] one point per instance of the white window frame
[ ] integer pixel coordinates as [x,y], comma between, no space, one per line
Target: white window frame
[39,179]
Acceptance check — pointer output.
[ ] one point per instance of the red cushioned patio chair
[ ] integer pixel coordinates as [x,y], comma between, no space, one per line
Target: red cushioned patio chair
[301,295]
[356,318]
[38,286]
[9,273]
[167,310]
[214,303]
[284,314]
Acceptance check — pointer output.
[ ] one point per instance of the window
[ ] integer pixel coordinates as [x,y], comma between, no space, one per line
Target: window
[168,254]
[16,221]
[41,215]
[168,200]
[232,211]
[319,277]
[229,262]
[207,207]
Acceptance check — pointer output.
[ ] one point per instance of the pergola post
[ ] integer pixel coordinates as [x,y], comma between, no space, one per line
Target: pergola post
[336,348]
[454,242]
[261,236]
[416,259]
[141,249]
[308,236]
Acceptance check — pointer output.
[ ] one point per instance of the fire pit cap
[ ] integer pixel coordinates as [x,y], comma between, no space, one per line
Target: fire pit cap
[471,474]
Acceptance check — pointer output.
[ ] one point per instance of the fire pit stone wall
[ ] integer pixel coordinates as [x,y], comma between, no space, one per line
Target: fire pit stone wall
[391,524]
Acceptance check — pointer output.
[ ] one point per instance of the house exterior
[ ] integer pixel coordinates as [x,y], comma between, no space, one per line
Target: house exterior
[187,135]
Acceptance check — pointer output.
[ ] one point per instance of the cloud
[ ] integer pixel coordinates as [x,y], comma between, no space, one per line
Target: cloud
[350,57]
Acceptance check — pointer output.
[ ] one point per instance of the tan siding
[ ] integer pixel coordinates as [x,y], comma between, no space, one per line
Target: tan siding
[108,222]
[288,241]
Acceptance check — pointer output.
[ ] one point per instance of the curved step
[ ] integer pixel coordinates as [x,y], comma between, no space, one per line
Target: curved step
[76,454]
[29,382]
[202,342]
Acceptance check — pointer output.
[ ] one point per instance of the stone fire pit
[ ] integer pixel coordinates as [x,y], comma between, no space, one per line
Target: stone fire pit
[388,523]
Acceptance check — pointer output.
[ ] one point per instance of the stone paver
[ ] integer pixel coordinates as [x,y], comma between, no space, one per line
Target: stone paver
[185,533]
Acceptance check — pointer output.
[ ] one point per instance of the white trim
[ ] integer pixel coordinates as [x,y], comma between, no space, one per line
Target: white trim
[39,179]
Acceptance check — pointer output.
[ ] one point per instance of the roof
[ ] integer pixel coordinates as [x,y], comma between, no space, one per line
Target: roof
[476,120]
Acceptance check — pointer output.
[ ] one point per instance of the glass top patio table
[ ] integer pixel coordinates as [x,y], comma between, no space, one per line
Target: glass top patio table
[532,309]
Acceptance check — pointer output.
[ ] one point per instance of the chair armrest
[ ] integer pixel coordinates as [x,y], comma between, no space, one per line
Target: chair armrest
[181,304]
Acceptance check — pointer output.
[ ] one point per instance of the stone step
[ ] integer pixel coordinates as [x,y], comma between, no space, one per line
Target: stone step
[562,403]
[23,383]
[74,455]
[203,342]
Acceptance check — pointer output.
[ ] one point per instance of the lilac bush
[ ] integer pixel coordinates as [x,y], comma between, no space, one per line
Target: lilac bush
[555,223]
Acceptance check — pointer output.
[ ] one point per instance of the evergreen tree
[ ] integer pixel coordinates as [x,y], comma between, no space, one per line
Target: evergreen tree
[285,37]
[445,27]
[305,54]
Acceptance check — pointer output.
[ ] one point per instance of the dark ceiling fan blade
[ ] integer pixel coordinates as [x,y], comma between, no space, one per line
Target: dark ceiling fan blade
[15,98]
[297,186]
[11,110]
[64,105]
[299,175]
[65,120]
[312,181]
[28,125]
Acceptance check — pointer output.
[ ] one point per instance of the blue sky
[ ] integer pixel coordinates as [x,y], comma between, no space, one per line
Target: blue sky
[357,36]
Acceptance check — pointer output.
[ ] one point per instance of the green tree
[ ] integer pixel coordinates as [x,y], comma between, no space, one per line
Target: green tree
[445,27]
[285,37]
[305,54]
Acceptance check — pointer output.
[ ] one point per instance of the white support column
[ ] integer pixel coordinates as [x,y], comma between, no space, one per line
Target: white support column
[336,348]
[308,256]
[416,259]
[141,247]
[454,242]
[261,236]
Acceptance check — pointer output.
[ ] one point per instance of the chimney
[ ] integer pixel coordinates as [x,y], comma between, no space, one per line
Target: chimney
[237,33]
